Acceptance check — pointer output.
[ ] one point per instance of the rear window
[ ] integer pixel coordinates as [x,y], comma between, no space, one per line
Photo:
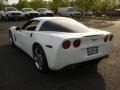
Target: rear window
[74,9]
[64,25]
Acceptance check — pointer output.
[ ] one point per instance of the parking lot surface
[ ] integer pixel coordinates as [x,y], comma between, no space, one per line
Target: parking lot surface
[17,71]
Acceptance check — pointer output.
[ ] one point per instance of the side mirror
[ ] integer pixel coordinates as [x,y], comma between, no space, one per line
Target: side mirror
[18,28]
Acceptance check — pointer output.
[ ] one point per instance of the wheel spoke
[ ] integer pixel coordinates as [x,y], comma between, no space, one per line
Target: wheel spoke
[38,59]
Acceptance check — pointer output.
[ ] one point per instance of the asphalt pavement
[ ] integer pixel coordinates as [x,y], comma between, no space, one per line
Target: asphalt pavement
[18,72]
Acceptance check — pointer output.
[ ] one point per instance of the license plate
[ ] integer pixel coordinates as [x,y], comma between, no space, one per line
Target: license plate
[92,50]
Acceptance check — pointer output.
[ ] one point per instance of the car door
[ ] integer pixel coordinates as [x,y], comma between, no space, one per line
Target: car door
[24,36]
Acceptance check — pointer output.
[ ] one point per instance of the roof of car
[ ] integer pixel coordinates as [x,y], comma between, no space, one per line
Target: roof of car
[42,8]
[27,8]
[48,18]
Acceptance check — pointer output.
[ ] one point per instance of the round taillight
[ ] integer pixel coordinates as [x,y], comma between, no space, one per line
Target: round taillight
[111,37]
[76,43]
[106,39]
[66,44]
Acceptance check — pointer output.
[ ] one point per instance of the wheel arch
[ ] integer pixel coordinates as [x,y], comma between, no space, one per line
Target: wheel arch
[9,31]
[36,43]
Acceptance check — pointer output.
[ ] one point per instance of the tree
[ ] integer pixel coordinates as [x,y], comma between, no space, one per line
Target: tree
[96,4]
[88,4]
[55,4]
[64,3]
[2,6]
[109,4]
[22,4]
[37,4]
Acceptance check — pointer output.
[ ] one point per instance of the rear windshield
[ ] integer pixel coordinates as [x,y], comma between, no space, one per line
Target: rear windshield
[64,25]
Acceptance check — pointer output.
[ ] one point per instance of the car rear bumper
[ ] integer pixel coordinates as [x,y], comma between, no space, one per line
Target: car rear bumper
[89,62]
[58,66]
[64,59]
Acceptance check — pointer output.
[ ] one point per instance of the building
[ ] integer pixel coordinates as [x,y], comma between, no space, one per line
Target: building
[4,2]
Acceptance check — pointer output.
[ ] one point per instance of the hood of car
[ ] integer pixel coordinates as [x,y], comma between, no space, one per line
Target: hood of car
[46,12]
[14,12]
[32,12]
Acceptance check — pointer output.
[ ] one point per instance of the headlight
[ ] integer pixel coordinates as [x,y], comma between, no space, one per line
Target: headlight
[28,14]
[9,14]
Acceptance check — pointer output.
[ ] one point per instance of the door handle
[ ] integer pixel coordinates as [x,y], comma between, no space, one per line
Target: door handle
[31,34]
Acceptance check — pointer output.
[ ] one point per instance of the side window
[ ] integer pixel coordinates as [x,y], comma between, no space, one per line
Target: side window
[30,25]
[50,26]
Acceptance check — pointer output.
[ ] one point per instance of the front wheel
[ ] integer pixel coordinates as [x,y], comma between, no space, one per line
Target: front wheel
[40,58]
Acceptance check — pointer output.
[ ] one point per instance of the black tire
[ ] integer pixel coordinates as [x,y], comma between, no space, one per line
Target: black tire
[7,18]
[0,17]
[26,17]
[11,41]
[40,59]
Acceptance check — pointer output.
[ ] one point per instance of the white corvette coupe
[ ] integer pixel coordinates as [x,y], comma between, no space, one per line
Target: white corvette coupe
[56,42]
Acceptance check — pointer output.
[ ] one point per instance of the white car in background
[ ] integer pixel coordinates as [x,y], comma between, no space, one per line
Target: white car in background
[69,12]
[29,13]
[56,42]
[10,13]
[45,12]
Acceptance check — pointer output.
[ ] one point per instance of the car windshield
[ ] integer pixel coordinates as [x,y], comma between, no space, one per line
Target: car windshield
[28,9]
[11,9]
[74,9]
[64,25]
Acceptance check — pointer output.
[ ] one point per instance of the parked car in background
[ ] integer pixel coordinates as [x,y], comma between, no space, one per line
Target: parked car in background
[114,12]
[45,12]
[69,11]
[98,13]
[88,12]
[57,42]
[11,13]
[29,13]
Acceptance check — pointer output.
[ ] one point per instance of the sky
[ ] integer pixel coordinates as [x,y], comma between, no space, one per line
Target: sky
[13,1]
